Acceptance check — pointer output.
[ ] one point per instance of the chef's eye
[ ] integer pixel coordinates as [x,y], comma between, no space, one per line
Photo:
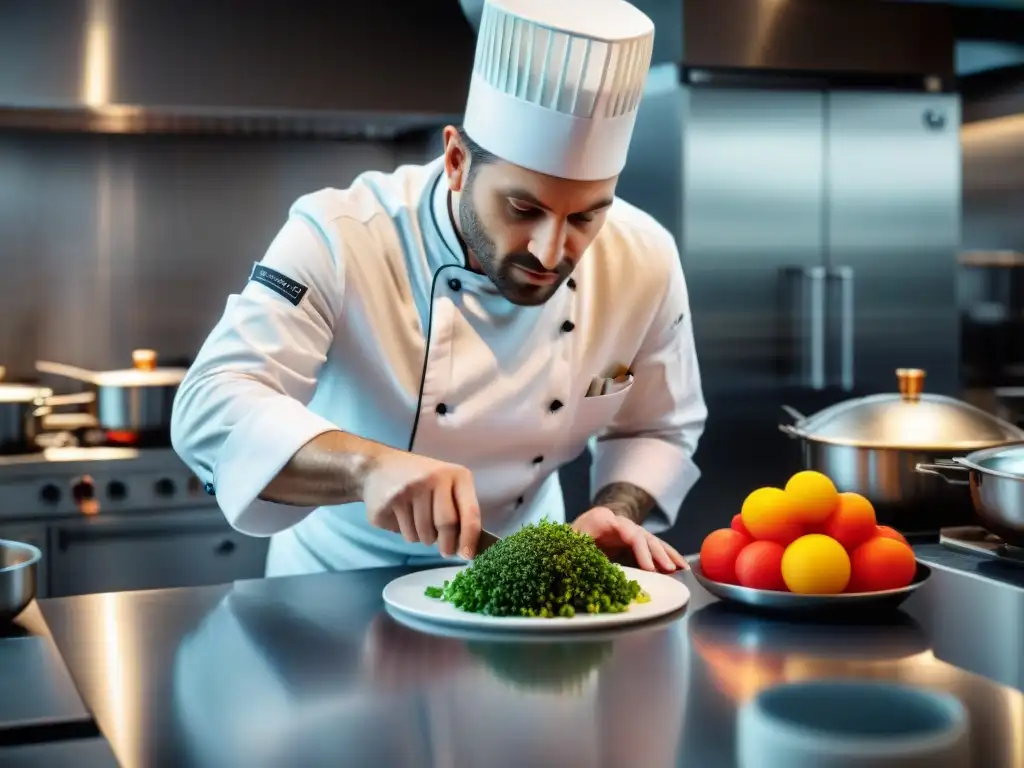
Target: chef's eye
[522,210]
[581,218]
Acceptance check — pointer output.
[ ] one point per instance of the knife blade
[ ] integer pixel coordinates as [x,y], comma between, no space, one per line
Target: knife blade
[486,541]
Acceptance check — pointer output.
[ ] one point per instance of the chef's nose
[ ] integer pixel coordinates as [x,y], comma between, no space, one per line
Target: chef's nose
[548,243]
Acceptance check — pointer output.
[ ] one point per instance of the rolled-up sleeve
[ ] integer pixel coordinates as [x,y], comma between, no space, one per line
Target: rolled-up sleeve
[653,438]
[240,414]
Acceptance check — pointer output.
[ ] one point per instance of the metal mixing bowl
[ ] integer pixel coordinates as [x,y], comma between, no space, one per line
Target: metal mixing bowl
[18,563]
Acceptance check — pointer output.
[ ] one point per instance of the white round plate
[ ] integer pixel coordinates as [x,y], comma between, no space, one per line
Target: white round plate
[406,594]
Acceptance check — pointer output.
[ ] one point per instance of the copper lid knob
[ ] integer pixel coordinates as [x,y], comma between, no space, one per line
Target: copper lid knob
[911,381]
[144,359]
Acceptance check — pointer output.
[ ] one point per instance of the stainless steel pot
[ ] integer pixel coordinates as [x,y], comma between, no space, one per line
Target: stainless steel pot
[995,477]
[135,401]
[18,563]
[20,414]
[872,446]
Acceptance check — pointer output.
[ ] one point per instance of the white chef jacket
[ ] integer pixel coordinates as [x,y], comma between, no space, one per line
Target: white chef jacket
[363,316]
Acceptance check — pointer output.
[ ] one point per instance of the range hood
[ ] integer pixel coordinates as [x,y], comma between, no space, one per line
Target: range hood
[861,41]
[292,67]
[873,42]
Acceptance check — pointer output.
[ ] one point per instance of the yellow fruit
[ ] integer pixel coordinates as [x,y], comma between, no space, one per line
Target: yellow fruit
[767,515]
[813,497]
[816,564]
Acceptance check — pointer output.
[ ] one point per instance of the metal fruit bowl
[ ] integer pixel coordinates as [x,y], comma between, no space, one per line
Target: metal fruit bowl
[18,563]
[812,606]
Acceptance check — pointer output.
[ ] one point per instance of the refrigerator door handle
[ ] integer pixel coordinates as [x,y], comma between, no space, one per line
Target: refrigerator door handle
[806,310]
[840,299]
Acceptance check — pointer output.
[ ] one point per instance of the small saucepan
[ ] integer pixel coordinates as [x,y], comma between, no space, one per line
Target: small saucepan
[996,480]
[20,412]
[135,402]
[23,410]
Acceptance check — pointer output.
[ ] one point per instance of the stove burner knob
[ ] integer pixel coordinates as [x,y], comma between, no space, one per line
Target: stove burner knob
[164,487]
[83,490]
[50,493]
[117,490]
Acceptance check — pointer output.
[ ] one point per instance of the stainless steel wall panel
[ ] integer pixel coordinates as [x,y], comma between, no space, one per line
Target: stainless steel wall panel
[108,243]
[993,184]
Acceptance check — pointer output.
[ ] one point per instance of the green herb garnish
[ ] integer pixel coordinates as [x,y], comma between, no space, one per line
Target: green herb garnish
[544,570]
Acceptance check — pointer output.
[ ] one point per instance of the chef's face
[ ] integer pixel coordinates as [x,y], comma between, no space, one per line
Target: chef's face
[526,231]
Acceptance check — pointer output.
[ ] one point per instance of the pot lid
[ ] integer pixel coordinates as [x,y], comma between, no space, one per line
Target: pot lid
[22,393]
[909,419]
[132,377]
[143,373]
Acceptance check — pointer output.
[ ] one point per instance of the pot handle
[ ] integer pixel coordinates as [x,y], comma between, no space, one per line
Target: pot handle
[79,398]
[791,429]
[938,466]
[67,371]
[797,416]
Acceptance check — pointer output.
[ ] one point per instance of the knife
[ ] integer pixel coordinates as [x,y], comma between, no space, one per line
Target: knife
[486,541]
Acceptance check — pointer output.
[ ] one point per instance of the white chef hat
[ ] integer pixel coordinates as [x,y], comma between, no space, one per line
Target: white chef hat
[556,84]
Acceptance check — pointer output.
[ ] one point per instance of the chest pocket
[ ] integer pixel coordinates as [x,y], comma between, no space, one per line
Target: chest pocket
[596,412]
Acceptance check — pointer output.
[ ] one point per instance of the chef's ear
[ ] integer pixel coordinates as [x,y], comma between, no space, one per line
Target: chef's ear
[456,159]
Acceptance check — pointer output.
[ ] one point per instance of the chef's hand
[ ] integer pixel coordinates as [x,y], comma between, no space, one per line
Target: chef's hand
[617,535]
[425,500]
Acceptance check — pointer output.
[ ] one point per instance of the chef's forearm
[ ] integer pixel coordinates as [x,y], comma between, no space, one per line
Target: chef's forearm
[626,500]
[330,469]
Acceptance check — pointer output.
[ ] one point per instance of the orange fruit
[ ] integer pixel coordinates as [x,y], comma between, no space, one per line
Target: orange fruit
[891,533]
[718,554]
[853,522]
[768,515]
[737,525]
[759,566]
[816,565]
[813,497]
[881,563]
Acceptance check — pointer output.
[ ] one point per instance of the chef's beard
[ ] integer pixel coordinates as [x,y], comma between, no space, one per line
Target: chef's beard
[500,269]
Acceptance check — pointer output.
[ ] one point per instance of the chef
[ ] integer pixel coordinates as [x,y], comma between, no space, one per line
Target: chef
[415,356]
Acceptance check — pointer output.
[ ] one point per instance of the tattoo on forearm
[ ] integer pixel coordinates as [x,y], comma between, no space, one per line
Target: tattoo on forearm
[627,500]
[328,470]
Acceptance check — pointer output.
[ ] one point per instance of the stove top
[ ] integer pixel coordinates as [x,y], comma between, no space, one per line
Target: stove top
[72,481]
[72,453]
[974,551]
[979,541]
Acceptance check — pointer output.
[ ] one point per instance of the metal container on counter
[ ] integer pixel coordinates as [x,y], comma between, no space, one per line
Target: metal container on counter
[995,477]
[18,563]
[872,446]
[20,413]
[136,401]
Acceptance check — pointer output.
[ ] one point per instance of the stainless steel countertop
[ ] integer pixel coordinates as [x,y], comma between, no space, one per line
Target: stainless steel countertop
[312,671]
[39,701]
